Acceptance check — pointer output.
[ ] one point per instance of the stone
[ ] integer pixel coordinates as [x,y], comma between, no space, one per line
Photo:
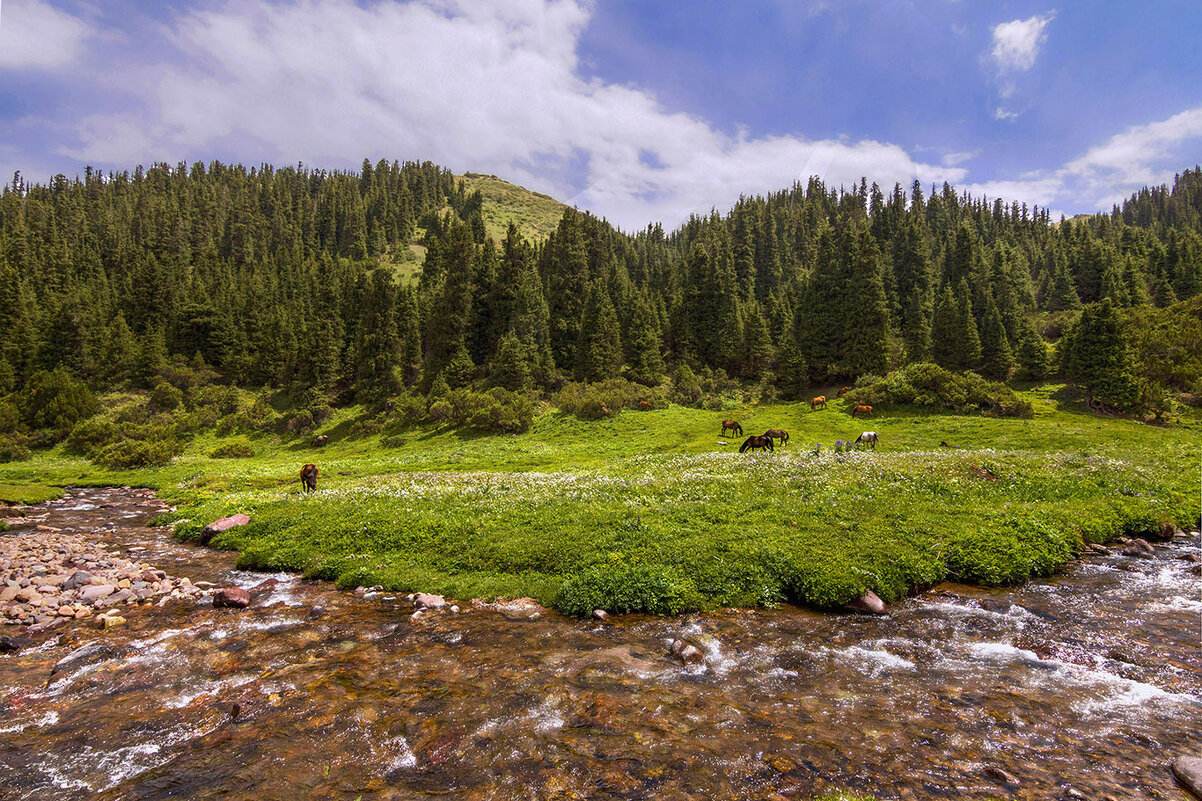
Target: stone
[84,655]
[1188,770]
[94,592]
[7,594]
[520,609]
[224,524]
[107,622]
[124,584]
[231,598]
[867,604]
[1098,549]
[600,614]
[1140,549]
[1001,776]
[1188,557]
[425,600]
[686,652]
[10,644]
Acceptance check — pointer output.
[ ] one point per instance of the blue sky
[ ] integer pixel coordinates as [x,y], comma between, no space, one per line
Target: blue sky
[638,111]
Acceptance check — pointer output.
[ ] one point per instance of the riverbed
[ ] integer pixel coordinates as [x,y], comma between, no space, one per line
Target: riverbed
[1090,682]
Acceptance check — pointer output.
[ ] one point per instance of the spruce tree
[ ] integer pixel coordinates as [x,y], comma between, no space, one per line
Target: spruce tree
[997,360]
[1095,354]
[510,365]
[644,355]
[600,348]
[1031,351]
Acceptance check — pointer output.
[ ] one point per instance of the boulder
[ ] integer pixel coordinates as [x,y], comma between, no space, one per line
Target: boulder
[1188,557]
[1140,549]
[686,652]
[231,598]
[425,600]
[224,524]
[1001,776]
[1165,532]
[1188,770]
[9,644]
[520,609]
[1098,549]
[866,604]
[600,614]
[84,655]
[107,622]
[94,592]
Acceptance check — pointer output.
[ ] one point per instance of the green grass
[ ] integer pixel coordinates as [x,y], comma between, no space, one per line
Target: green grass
[536,215]
[646,511]
[28,493]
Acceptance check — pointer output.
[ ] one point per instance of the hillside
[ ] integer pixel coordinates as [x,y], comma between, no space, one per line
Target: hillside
[535,214]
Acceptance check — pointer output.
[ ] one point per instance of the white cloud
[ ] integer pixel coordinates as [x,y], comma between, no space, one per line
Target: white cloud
[491,87]
[1016,43]
[33,35]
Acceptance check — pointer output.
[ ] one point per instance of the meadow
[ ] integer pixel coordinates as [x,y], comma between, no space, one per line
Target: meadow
[648,511]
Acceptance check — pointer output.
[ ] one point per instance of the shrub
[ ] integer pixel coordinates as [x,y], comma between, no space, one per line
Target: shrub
[234,449]
[657,589]
[165,398]
[129,453]
[9,417]
[497,410]
[931,386]
[607,398]
[89,436]
[260,416]
[55,401]
[13,449]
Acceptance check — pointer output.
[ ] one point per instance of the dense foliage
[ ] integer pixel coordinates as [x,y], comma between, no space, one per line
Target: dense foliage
[298,280]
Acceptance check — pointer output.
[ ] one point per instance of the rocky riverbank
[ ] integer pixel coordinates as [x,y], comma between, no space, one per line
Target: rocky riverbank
[50,576]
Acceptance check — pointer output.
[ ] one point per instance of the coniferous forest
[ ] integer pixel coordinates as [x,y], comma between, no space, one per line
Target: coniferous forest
[286,278]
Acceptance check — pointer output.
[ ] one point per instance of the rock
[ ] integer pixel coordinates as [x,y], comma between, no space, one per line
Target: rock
[10,644]
[1188,770]
[107,622]
[1196,570]
[231,597]
[118,597]
[1140,549]
[1001,776]
[995,605]
[84,655]
[316,612]
[1188,557]
[454,609]
[520,609]
[867,604]
[224,524]
[1099,549]
[600,614]
[7,594]
[94,592]
[686,652]
[425,600]
[1165,532]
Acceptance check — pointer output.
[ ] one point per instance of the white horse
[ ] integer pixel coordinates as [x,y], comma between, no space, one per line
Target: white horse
[869,438]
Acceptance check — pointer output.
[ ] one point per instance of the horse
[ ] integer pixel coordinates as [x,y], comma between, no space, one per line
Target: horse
[320,440]
[864,410]
[816,402]
[644,406]
[778,433]
[753,442]
[843,391]
[734,427]
[870,438]
[309,478]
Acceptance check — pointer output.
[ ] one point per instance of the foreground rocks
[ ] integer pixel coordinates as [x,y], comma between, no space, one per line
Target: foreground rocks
[867,604]
[224,524]
[48,576]
[1188,771]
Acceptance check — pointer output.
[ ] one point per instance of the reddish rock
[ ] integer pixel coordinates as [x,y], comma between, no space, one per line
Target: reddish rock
[94,592]
[867,604]
[425,600]
[231,597]
[1188,771]
[224,524]
[1140,549]
[686,652]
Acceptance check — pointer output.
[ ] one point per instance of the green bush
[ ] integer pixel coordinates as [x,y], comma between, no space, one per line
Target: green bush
[657,589]
[129,453]
[55,401]
[608,398]
[238,448]
[89,436]
[9,417]
[165,398]
[930,386]
[13,448]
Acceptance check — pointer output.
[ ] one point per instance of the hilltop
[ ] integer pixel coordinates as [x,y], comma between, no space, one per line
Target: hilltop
[536,215]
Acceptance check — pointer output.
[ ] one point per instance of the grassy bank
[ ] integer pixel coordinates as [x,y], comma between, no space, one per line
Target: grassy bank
[646,511]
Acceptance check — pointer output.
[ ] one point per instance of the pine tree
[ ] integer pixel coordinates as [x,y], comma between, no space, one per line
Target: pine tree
[758,354]
[997,360]
[644,355]
[600,348]
[1094,353]
[968,344]
[1032,352]
[510,366]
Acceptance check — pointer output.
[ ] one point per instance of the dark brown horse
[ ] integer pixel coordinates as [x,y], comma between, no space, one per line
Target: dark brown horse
[816,402]
[734,427]
[864,410]
[753,442]
[843,391]
[778,433]
[309,478]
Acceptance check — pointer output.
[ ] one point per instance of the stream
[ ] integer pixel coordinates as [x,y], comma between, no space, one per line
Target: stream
[1087,683]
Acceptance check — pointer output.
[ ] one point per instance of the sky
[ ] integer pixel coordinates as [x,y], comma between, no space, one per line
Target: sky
[638,111]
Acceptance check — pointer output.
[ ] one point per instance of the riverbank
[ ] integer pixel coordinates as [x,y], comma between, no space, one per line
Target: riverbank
[651,511]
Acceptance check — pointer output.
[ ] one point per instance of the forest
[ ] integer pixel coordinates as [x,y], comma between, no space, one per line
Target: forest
[288,279]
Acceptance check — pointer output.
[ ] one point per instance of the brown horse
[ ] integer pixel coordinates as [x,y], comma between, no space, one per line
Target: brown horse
[309,478]
[864,410]
[734,427]
[753,442]
[816,402]
[843,391]
[778,433]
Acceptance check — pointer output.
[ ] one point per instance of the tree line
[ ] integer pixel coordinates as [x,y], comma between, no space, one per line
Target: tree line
[289,278]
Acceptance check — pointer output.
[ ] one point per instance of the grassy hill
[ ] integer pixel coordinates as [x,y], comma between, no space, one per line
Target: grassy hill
[534,213]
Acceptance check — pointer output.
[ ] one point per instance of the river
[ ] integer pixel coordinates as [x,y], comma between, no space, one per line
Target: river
[1090,682]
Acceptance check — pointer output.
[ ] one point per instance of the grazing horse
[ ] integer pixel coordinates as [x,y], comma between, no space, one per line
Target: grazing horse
[816,402]
[320,440]
[864,410]
[734,427]
[869,438]
[778,433]
[753,442]
[844,391]
[309,478]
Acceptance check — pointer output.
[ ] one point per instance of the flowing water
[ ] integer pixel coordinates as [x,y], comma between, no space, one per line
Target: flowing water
[1090,681]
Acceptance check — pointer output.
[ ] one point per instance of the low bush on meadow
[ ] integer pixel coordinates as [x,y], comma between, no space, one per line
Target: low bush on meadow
[930,386]
[239,448]
[608,398]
